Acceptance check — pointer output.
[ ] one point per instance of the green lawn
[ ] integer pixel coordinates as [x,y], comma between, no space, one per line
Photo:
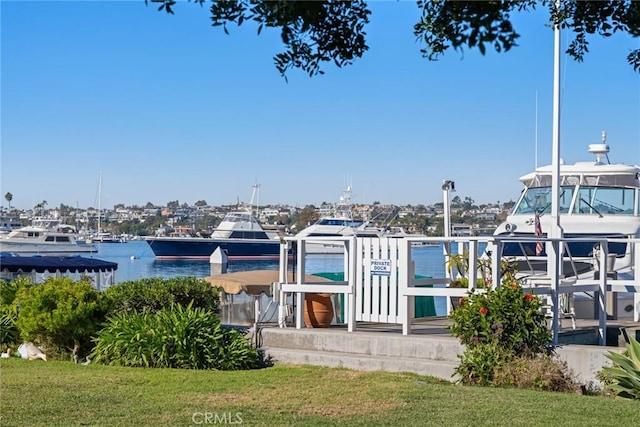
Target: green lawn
[61,393]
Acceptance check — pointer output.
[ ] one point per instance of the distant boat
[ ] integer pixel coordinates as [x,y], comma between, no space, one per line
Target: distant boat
[340,223]
[46,236]
[8,225]
[239,234]
[105,237]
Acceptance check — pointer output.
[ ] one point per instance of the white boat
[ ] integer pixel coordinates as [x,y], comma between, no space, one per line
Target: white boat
[240,235]
[45,237]
[341,223]
[596,200]
[8,225]
[106,237]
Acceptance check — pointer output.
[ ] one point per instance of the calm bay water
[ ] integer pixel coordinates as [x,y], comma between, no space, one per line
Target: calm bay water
[136,261]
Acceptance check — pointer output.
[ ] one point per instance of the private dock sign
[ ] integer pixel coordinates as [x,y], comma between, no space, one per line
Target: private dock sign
[381,267]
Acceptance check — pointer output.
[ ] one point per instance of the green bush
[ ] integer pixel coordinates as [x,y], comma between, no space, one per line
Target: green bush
[60,315]
[9,332]
[155,294]
[177,337]
[497,326]
[623,377]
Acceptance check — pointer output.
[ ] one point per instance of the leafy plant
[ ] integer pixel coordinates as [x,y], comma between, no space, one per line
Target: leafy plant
[59,314]
[458,267]
[624,375]
[497,326]
[178,337]
[155,294]
[9,332]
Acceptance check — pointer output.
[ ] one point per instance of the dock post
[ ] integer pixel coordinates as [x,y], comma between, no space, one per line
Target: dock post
[218,262]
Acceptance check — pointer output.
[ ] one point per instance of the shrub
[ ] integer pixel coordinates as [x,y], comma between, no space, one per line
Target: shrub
[539,372]
[61,315]
[623,377]
[497,326]
[155,294]
[506,315]
[178,337]
[9,332]
[479,362]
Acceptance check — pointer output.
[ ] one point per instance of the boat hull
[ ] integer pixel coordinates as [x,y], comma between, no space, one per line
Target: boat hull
[53,249]
[193,248]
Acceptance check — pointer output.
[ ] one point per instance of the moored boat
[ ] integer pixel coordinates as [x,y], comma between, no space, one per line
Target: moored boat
[597,200]
[340,223]
[39,240]
[239,234]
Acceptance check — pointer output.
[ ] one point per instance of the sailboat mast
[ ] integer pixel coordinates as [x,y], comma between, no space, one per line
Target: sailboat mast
[99,201]
[255,195]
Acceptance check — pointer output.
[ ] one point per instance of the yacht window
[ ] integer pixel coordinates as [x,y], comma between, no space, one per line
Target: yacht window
[49,239]
[62,239]
[605,201]
[538,199]
[340,222]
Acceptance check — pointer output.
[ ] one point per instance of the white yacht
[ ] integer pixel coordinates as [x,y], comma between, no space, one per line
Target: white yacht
[597,200]
[44,237]
[8,225]
[240,235]
[340,223]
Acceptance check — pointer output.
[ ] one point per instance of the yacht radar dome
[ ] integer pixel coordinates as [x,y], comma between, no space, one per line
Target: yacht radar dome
[600,149]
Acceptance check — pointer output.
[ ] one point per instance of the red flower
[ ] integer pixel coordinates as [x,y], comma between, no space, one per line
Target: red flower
[512,285]
[484,311]
[529,297]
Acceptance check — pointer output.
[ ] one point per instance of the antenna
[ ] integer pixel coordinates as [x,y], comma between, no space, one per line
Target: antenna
[599,150]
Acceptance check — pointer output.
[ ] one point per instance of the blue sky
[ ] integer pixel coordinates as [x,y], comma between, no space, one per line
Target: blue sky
[170,108]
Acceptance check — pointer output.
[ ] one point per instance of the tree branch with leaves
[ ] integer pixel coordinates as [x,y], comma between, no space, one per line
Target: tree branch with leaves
[318,32]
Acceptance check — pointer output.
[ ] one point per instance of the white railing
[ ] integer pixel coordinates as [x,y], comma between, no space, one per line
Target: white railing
[380,285]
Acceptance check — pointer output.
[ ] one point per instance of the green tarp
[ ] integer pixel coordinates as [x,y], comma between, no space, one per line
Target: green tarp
[424,306]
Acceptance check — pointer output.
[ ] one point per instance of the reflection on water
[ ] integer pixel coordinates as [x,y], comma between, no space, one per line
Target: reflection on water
[136,261]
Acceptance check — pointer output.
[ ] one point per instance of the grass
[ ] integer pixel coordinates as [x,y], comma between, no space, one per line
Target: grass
[63,394]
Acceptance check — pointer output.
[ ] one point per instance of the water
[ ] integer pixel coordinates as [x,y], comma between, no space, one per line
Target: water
[136,261]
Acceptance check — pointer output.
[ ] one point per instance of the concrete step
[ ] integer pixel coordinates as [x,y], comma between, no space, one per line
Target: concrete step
[391,345]
[439,369]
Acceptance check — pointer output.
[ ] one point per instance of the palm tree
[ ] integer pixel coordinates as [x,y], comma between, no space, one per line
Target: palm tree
[9,197]
[40,206]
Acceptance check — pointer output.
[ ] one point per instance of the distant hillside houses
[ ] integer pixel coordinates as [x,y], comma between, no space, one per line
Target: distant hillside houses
[416,218]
